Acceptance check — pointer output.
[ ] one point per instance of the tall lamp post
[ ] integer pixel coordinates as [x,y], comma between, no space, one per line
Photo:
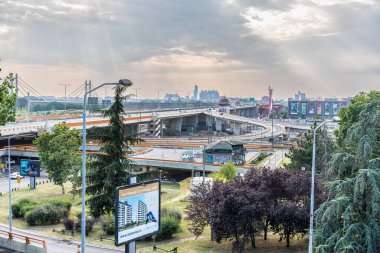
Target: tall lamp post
[312,190]
[123,82]
[9,177]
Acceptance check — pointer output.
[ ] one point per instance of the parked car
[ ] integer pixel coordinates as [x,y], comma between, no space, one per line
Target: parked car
[14,175]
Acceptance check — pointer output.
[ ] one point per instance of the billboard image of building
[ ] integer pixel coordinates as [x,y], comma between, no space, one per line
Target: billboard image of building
[138,211]
[327,109]
[335,109]
[293,108]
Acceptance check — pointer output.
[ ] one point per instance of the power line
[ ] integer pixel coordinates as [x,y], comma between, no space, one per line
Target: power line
[81,87]
[30,87]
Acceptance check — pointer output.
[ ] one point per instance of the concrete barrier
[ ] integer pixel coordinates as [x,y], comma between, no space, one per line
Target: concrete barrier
[21,243]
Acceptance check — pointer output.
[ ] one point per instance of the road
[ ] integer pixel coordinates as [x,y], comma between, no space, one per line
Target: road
[24,181]
[275,158]
[55,245]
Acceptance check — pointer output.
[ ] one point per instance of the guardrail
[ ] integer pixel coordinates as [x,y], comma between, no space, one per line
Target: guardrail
[23,238]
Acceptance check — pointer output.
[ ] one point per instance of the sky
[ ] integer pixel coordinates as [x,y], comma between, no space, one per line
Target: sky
[326,48]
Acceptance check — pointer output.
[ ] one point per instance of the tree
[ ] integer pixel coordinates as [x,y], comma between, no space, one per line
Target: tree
[111,167]
[226,173]
[301,156]
[350,115]
[59,153]
[349,221]
[7,100]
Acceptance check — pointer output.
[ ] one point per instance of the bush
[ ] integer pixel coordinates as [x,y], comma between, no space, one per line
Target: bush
[44,214]
[68,223]
[170,212]
[21,207]
[61,203]
[169,226]
[89,225]
[107,222]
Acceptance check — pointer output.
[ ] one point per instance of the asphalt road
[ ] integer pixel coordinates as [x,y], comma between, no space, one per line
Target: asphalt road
[24,181]
[275,159]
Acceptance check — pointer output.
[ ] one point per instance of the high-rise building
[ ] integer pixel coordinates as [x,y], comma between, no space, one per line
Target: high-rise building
[195,96]
[125,214]
[209,95]
[142,210]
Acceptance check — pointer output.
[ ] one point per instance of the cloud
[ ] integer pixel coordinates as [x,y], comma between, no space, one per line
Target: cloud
[299,21]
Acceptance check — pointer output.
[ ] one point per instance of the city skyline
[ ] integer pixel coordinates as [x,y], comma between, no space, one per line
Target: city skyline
[238,48]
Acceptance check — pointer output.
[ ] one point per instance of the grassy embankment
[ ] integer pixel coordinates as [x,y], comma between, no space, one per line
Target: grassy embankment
[184,240]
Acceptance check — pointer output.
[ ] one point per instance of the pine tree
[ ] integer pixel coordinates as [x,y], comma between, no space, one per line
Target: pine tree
[349,221]
[111,167]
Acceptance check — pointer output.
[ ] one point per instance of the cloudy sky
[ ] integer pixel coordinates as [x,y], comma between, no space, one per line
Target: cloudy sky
[322,47]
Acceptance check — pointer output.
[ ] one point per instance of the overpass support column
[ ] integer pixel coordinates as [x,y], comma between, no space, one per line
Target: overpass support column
[175,126]
[218,126]
[237,128]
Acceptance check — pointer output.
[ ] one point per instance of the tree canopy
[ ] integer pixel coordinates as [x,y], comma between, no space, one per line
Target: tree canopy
[111,167]
[7,100]
[301,156]
[59,153]
[226,173]
[349,221]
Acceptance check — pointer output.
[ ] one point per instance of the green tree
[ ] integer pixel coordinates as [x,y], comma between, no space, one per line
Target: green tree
[111,167]
[350,115]
[59,153]
[7,100]
[301,156]
[226,173]
[349,221]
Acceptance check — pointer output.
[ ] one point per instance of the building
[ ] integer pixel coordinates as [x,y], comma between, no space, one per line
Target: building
[300,96]
[142,211]
[225,151]
[172,98]
[209,96]
[224,105]
[124,214]
[195,95]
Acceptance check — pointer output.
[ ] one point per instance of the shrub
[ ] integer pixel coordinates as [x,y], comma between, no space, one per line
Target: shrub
[89,225]
[68,223]
[44,214]
[170,212]
[61,203]
[107,222]
[169,226]
[21,207]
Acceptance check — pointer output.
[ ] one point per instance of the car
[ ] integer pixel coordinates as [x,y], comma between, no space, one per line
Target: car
[14,175]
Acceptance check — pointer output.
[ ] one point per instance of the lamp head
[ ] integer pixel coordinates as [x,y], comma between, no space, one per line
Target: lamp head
[125,82]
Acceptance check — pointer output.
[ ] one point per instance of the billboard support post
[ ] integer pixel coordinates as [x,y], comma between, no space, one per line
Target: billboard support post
[32,183]
[131,247]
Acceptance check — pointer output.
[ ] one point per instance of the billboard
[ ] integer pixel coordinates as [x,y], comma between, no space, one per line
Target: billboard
[311,108]
[319,108]
[327,108]
[303,108]
[137,211]
[335,109]
[31,168]
[293,108]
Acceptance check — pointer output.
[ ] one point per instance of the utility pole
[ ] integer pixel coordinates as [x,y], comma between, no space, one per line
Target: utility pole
[28,105]
[65,84]
[158,94]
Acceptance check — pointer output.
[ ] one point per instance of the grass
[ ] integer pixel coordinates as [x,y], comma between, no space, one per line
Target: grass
[284,161]
[184,240]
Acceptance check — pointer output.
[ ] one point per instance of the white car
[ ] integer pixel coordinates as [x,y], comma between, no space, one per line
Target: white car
[14,175]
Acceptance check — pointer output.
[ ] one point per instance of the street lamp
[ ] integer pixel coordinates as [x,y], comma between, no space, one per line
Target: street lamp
[9,177]
[312,190]
[123,82]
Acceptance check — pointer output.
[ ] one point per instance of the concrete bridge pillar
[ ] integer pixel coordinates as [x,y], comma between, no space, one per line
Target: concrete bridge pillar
[175,126]
[218,125]
[237,128]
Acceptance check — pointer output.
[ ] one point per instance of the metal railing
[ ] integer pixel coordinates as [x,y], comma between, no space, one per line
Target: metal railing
[23,238]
